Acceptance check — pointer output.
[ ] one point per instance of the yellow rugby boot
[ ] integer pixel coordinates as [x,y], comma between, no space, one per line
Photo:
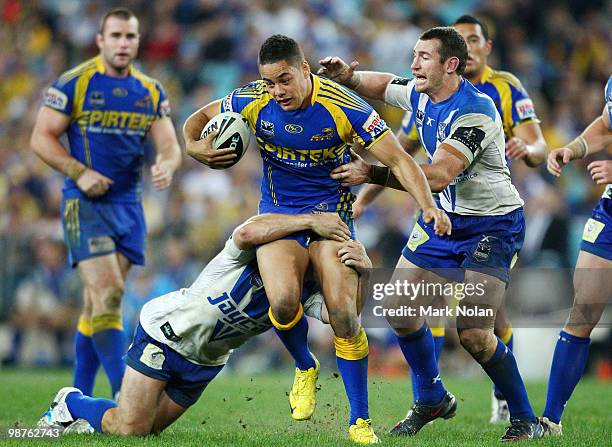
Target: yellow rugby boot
[302,395]
[362,432]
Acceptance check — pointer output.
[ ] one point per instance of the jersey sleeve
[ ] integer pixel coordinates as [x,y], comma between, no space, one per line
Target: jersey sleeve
[399,91]
[523,110]
[608,96]
[237,255]
[60,96]
[163,108]
[246,100]
[471,133]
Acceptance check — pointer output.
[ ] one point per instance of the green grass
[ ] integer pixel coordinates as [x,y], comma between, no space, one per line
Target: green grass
[241,410]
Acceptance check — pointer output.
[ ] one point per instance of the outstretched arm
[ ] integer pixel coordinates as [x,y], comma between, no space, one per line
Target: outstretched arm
[371,84]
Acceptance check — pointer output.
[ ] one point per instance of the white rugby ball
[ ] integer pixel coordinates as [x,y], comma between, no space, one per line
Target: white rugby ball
[234,132]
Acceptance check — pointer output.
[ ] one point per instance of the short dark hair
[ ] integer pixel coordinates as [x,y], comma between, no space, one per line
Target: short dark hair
[452,44]
[473,21]
[120,12]
[280,48]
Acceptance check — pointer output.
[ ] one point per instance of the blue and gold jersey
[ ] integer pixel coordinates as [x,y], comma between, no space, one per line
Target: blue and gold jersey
[511,100]
[300,148]
[109,121]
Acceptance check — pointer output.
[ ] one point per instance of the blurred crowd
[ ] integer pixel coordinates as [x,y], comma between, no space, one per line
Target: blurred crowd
[201,49]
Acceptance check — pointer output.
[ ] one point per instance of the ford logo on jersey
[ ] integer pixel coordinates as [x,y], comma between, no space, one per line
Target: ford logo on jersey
[294,128]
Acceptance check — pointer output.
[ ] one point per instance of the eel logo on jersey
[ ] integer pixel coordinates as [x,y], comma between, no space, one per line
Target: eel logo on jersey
[144,103]
[471,137]
[326,134]
[483,249]
[153,356]
[55,99]
[96,99]
[120,92]
[266,128]
[525,109]
[294,128]
[169,333]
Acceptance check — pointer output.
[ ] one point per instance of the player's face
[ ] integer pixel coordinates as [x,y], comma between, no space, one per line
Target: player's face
[289,85]
[426,66]
[478,48]
[118,43]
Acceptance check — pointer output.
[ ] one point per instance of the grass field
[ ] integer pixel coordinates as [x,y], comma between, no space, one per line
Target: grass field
[250,411]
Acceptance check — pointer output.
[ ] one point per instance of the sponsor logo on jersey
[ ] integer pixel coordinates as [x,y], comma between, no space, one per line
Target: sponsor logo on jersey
[525,109]
[266,128]
[294,128]
[153,356]
[55,99]
[100,244]
[96,99]
[374,124]
[169,333]
[227,103]
[471,137]
[400,81]
[430,120]
[164,108]
[120,92]
[326,134]
[234,322]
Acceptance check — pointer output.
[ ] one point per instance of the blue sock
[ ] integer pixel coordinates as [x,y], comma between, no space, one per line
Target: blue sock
[496,390]
[86,363]
[296,342]
[355,377]
[88,408]
[419,351]
[438,347]
[504,373]
[569,361]
[110,350]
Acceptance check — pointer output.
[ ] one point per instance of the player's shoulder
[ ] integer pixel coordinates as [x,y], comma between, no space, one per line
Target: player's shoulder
[506,77]
[256,89]
[145,79]
[473,101]
[328,92]
[86,68]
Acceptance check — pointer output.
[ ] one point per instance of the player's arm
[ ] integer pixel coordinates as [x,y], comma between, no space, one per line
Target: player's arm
[45,141]
[527,144]
[408,173]
[202,150]
[371,84]
[264,228]
[594,138]
[168,157]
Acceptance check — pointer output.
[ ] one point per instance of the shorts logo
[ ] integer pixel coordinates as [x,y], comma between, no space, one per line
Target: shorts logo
[153,356]
[96,99]
[321,208]
[525,109]
[266,128]
[120,92]
[417,237]
[483,249]
[592,230]
[169,333]
[294,128]
[100,244]
[55,99]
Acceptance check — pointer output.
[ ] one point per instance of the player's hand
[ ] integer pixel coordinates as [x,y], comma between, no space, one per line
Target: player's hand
[601,171]
[330,226]
[442,224]
[336,69]
[93,184]
[161,174]
[516,149]
[354,173]
[358,209]
[558,158]
[353,254]
[203,151]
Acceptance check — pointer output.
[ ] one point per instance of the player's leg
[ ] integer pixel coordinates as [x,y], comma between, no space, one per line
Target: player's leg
[591,295]
[104,283]
[503,330]
[339,285]
[86,359]
[475,323]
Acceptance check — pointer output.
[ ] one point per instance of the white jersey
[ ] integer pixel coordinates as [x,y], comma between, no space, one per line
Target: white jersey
[469,122]
[224,307]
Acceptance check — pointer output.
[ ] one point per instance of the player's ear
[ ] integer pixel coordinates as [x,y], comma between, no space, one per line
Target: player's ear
[305,69]
[489,47]
[99,40]
[451,64]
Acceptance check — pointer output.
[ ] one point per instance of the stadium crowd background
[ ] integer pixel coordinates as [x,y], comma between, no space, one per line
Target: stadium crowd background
[201,49]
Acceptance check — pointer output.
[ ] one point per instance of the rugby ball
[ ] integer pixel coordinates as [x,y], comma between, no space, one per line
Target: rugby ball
[234,132]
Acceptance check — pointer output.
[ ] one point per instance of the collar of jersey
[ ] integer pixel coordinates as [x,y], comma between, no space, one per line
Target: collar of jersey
[316,83]
[486,74]
[100,65]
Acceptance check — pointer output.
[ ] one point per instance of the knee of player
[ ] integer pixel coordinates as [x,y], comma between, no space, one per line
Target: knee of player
[474,340]
[345,322]
[108,299]
[286,311]
[133,428]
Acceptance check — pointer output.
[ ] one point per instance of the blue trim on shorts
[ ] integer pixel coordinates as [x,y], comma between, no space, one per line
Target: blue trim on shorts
[185,380]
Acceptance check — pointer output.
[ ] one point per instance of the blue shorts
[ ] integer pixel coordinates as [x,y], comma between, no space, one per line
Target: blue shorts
[304,238]
[186,381]
[94,228]
[485,243]
[597,235]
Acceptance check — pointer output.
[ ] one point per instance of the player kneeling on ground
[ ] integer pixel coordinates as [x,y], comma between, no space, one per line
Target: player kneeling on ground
[186,337]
